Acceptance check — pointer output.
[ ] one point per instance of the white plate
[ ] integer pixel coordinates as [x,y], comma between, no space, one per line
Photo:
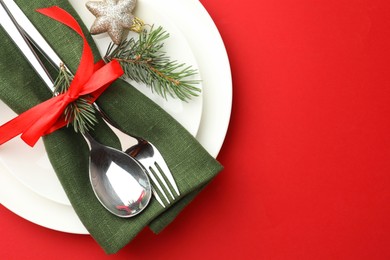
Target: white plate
[197,26]
[35,170]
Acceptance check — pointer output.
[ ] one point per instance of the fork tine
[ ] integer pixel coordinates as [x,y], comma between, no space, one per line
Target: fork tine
[157,184]
[157,197]
[165,170]
[161,178]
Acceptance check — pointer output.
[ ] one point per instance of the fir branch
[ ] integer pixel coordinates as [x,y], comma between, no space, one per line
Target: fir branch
[79,113]
[144,61]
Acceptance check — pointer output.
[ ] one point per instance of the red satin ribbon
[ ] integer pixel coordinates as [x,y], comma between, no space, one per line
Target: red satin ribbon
[90,79]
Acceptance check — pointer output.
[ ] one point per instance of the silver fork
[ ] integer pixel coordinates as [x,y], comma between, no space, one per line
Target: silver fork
[148,155]
[145,152]
[153,162]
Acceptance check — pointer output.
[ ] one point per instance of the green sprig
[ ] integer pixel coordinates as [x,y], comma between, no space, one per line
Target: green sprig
[144,61]
[80,113]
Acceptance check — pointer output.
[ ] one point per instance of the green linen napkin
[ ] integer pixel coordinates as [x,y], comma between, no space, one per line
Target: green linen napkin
[191,165]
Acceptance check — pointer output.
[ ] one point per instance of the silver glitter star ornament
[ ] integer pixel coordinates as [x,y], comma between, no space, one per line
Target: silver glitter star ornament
[113,17]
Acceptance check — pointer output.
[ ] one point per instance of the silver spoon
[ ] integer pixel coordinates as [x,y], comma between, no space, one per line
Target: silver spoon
[118,180]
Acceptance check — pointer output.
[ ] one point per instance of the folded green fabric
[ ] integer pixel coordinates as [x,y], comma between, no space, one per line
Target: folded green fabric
[191,165]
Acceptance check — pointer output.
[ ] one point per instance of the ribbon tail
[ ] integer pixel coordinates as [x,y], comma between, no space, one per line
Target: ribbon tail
[31,124]
[43,123]
[86,65]
[25,121]
[16,126]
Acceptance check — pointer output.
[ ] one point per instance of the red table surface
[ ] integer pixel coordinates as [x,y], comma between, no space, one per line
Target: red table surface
[307,154]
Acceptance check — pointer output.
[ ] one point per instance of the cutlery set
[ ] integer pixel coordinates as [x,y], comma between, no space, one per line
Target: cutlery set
[120,180]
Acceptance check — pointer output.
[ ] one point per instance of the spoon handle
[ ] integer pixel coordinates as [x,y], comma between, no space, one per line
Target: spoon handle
[92,142]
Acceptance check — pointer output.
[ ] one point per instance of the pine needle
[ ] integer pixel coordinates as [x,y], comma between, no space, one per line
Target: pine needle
[144,61]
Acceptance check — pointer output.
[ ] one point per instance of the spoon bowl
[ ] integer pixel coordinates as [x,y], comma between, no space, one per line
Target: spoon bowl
[119,182]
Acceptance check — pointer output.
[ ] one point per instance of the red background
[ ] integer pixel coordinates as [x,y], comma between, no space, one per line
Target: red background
[307,169]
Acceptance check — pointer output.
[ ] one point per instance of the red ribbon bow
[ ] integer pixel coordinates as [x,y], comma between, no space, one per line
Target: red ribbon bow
[90,79]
